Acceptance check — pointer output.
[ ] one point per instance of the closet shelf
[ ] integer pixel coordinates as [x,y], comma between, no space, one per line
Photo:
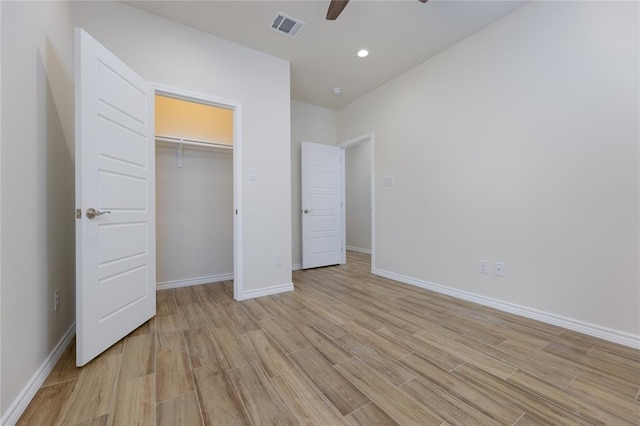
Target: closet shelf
[180,143]
[192,142]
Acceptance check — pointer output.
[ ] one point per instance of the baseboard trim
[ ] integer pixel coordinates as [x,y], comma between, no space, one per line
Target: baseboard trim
[16,409]
[282,288]
[623,338]
[359,250]
[165,285]
[296,266]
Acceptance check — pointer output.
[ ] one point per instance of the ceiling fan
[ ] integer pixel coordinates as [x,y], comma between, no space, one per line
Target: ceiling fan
[337,6]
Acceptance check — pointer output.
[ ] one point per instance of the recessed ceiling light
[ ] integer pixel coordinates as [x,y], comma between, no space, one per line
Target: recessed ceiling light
[336,90]
[363,53]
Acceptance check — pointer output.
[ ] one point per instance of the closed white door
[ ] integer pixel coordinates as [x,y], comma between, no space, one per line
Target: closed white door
[321,172]
[115,199]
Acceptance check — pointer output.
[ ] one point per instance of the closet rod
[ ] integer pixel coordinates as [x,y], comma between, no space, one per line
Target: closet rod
[193,142]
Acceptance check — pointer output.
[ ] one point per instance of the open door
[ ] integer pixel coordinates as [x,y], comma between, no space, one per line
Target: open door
[321,172]
[115,199]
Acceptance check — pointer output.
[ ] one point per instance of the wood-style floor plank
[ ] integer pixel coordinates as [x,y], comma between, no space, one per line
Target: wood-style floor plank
[305,401]
[397,404]
[593,394]
[219,400]
[271,358]
[567,364]
[138,358]
[96,421]
[135,402]
[236,353]
[289,339]
[65,369]
[166,303]
[263,403]
[335,387]
[93,393]
[327,347]
[201,347]
[185,296]
[370,415]
[182,410]
[591,413]
[505,392]
[378,361]
[46,407]
[446,406]
[501,413]
[173,372]
[526,363]
[346,347]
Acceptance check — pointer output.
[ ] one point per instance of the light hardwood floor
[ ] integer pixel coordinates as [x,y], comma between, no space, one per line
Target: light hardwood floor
[346,347]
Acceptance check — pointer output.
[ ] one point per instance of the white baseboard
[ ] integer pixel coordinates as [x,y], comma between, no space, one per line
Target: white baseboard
[17,407]
[296,266]
[282,288]
[605,333]
[359,250]
[165,285]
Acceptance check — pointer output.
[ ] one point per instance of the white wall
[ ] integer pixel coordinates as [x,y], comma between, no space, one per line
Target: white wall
[194,216]
[519,144]
[358,196]
[174,55]
[309,123]
[37,188]
[37,185]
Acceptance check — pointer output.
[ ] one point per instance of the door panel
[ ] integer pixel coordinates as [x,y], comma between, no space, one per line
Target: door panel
[321,205]
[115,172]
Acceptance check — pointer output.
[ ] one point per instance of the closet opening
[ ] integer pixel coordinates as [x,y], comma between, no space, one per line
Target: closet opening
[197,191]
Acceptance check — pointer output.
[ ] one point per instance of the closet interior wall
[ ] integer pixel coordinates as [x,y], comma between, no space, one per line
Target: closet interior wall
[194,216]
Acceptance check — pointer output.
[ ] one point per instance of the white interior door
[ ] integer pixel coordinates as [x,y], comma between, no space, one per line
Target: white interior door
[115,176]
[321,172]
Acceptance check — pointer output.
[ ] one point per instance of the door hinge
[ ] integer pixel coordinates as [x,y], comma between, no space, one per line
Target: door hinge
[78,213]
[236,212]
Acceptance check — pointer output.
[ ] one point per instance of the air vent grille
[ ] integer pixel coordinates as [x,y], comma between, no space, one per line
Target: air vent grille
[286,25]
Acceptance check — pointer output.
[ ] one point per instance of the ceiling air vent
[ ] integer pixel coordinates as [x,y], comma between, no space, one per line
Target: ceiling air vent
[286,25]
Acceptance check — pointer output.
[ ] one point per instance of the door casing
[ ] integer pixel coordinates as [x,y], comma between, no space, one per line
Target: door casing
[369,137]
[238,260]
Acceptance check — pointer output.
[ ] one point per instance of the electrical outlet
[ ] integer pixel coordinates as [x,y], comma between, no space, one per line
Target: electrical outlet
[498,269]
[484,266]
[56,299]
[278,260]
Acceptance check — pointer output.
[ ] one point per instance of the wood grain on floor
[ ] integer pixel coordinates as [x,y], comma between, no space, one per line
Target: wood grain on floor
[346,347]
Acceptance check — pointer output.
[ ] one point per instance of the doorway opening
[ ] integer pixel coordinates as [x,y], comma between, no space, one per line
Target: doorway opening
[198,190]
[358,196]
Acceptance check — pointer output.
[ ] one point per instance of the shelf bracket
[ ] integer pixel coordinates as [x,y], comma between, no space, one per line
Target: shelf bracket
[179,153]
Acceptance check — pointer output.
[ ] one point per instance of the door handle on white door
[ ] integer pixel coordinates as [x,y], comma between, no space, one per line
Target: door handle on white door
[91,212]
[305,211]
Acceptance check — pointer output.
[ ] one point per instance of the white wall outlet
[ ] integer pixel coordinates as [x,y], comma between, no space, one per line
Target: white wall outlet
[278,260]
[498,269]
[56,299]
[484,266]
[388,181]
[253,174]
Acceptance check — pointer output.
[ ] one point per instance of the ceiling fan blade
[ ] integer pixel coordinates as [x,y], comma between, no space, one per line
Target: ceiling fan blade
[335,9]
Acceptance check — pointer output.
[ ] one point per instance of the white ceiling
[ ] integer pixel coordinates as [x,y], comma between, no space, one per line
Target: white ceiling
[399,35]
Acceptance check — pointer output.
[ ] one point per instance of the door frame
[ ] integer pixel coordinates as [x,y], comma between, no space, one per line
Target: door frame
[236,107]
[369,137]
